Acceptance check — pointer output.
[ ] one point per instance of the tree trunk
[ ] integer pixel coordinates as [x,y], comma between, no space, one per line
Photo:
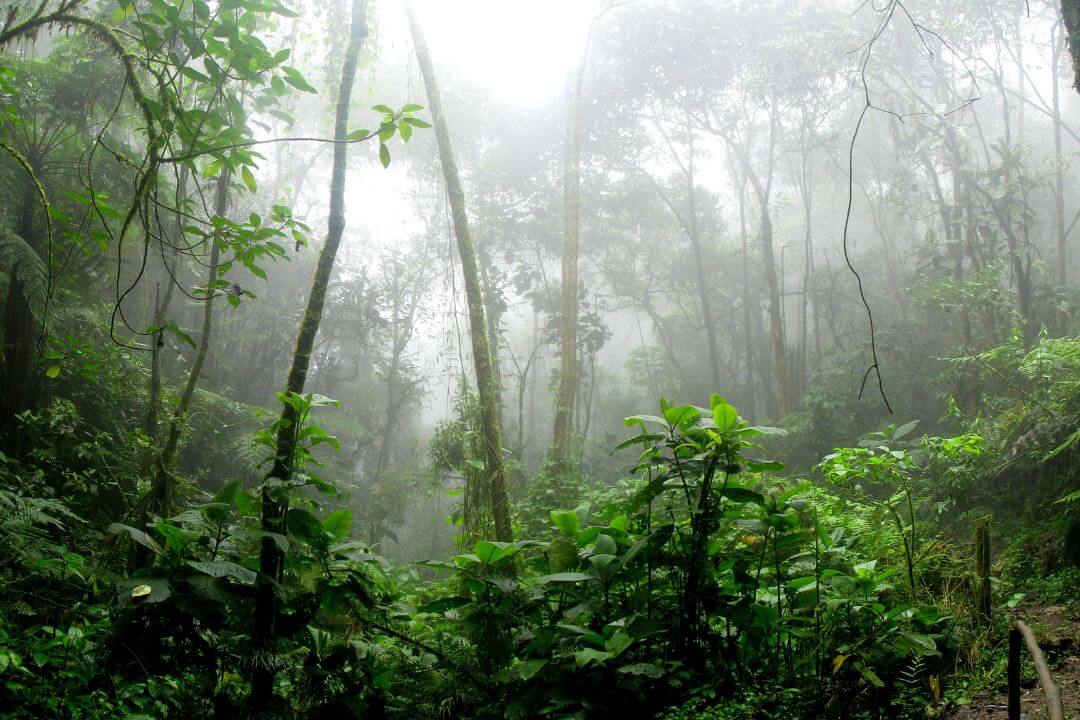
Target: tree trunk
[18,351]
[780,365]
[776,322]
[17,357]
[160,498]
[1059,171]
[568,306]
[699,264]
[161,310]
[274,506]
[486,380]
[749,306]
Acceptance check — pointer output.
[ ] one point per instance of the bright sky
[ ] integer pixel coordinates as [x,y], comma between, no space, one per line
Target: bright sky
[519,49]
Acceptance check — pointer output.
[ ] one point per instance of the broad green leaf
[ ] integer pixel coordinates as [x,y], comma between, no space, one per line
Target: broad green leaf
[725,416]
[647,669]
[225,568]
[144,589]
[567,521]
[491,552]
[589,656]
[527,669]
[904,429]
[280,540]
[338,524]
[139,536]
[442,605]
[764,466]
[305,526]
[682,416]
[563,577]
[743,495]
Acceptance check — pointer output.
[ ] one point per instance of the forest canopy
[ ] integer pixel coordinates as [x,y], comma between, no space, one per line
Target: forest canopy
[682,359]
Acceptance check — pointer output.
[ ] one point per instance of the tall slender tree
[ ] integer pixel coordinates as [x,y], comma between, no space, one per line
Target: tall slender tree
[486,380]
[274,504]
[160,497]
[568,301]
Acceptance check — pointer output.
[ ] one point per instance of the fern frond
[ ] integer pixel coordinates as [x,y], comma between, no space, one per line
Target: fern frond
[30,268]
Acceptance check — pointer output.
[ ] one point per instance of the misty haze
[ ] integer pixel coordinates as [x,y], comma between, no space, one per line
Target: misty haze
[583,359]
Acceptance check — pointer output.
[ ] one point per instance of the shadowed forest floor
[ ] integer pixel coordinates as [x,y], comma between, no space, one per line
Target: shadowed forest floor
[1058,631]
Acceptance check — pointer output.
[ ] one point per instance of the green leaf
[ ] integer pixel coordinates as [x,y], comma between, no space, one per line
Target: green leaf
[144,589]
[384,155]
[305,526]
[280,540]
[743,495]
[249,179]
[491,552]
[682,416]
[53,371]
[527,669]
[642,419]
[646,669]
[589,656]
[338,524]
[137,535]
[904,429]
[563,577]
[921,643]
[567,521]
[643,439]
[174,537]
[725,416]
[442,605]
[294,78]
[175,330]
[870,675]
[802,584]
[225,568]
[605,545]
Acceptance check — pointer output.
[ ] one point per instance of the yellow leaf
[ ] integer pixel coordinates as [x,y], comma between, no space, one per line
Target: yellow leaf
[837,662]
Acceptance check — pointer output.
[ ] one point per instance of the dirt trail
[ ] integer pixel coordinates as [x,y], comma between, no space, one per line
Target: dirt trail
[1058,631]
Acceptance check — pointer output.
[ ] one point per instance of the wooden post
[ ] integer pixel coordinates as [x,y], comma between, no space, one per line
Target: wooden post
[983,602]
[1054,709]
[1014,674]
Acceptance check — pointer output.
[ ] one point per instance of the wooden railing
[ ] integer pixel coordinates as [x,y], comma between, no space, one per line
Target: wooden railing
[1054,709]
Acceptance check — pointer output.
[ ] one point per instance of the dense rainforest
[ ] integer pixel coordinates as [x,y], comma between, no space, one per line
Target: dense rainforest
[678,359]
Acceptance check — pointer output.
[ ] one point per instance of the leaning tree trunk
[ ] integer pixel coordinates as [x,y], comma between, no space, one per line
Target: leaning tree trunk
[160,497]
[568,305]
[486,380]
[274,505]
[161,311]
